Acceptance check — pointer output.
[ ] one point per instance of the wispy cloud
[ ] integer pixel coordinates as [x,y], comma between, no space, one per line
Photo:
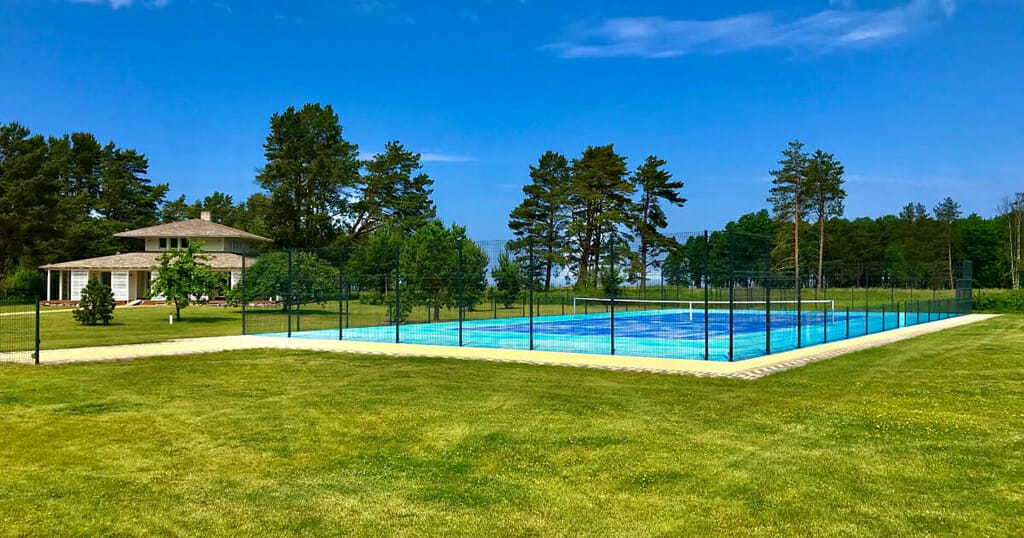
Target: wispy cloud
[292,19]
[118,4]
[223,7]
[444,158]
[832,29]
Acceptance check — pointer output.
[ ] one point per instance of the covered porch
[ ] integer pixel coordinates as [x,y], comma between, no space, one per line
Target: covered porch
[128,275]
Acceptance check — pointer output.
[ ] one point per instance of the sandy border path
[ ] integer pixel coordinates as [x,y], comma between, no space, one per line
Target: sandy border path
[747,369]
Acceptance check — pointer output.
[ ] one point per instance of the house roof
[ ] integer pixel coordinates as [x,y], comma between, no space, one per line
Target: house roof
[198,228]
[144,261]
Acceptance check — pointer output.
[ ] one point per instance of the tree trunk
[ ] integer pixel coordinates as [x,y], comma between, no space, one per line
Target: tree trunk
[643,269]
[547,271]
[177,311]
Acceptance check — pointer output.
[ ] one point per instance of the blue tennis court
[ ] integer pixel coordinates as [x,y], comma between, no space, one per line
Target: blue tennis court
[666,333]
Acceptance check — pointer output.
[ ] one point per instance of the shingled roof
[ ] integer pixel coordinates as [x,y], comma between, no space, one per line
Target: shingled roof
[191,228]
[145,261]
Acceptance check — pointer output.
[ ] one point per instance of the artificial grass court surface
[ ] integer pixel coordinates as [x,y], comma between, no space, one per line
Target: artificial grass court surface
[920,437]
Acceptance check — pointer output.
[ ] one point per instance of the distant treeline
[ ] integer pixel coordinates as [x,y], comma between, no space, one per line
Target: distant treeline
[64,197]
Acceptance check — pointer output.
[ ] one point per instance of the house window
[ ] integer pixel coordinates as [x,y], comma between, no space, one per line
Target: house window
[184,242]
[163,242]
[174,242]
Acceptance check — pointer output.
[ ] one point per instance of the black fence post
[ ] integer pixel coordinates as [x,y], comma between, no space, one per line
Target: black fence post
[36,354]
[245,299]
[867,309]
[614,287]
[799,310]
[707,277]
[824,339]
[459,305]
[732,294]
[768,297]
[883,318]
[288,300]
[398,298]
[897,314]
[298,301]
[341,293]
[847,322]
[531,296]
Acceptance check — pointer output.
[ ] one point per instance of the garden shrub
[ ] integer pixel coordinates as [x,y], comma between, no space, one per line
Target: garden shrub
[97,304]
[1000,301]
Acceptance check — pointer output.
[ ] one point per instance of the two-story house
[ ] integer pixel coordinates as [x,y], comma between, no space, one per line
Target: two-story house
[130,274]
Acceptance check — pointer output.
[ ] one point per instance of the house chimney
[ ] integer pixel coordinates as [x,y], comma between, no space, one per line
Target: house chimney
[205,215]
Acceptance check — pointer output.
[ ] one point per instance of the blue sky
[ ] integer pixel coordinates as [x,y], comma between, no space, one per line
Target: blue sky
[920,99]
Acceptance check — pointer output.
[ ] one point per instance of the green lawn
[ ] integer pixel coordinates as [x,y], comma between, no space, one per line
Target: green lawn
[921,437]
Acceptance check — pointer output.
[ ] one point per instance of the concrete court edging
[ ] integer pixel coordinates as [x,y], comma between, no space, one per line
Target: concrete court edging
[747,369]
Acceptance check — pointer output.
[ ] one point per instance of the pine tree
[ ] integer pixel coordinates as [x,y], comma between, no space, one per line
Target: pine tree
[787,194]
[825,196]
[599,197]
[656,186]
[393,192]
[309,169]
[97,304]
[540,220]
[947,212]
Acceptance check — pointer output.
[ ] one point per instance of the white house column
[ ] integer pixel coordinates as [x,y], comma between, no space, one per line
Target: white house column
[152,276]
[49,284]
[236,277]
[60,285]
[119,285]
[79,279]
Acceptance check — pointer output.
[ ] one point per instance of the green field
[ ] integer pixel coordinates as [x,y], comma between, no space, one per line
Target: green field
[918,438]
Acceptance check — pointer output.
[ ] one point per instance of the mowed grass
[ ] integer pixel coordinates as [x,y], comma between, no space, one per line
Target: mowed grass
[917,438]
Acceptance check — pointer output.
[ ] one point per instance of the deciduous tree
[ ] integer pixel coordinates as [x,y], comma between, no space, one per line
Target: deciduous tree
[185,277]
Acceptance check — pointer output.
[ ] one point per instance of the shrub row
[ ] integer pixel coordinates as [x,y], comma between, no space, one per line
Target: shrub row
[1000,301]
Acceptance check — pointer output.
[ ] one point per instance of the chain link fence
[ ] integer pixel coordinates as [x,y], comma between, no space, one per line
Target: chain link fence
[19,329]
[707,295]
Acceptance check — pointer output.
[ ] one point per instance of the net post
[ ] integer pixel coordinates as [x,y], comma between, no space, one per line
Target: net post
[707,332]
[244,298]
[341,293]
[732,294]
[531,296]
[398,293]
[768,297]
[35,355]
[614,286]
[288,300]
